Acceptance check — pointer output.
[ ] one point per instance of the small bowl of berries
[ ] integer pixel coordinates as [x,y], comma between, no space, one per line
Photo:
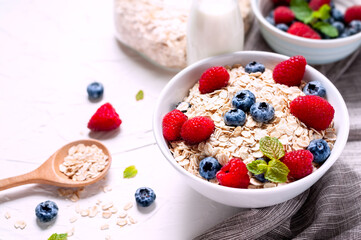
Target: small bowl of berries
[323,31]
[251,129]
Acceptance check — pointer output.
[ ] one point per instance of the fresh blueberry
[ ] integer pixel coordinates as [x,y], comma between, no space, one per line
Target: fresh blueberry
[262,112]
[46,211]
[270,20]
[320,150]
[355,24]
[271,14]
[95,90]
[330,20]
[282,27]
[314,88]
[337,15]
[339,26]
[208,167]
[235,117]
[254,66]
[243,100]
[260,177]
[351,31]
[144,196]
[344,34]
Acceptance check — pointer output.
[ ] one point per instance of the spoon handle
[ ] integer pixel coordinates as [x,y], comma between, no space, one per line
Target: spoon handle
[31,177]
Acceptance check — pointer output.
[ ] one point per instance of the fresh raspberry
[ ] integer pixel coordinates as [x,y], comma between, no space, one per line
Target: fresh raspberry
[212,79]
[172,124]
[314,111]
[353,13]
[281,2]
[283,14]
[197,129]
[234,174]
[316,4]
[303,30]
[299,163]
[104,119]
[290,72]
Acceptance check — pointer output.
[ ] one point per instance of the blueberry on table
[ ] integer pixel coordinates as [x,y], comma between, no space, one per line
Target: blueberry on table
[235,117]
[144,196]
[320,150]
[243,100]
[314,88]
[95,90]
[254,67]
[46,211]
[262,112]
[209,167]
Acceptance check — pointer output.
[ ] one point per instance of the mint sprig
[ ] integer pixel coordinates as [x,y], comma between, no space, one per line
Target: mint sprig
[314,18]
[61,236]
[274,170]
[130,172]
[140,95]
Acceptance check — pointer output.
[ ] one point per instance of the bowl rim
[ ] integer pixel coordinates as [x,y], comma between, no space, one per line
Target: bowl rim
[319,42]
[341,139]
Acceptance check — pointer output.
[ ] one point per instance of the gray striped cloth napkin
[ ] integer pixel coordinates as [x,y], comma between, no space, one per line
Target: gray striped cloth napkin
[330,209]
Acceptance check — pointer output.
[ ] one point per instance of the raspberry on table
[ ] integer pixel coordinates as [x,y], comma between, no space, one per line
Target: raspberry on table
[313,111]
[234,174]
[172,124]
[104,119]
[283,14]
[197,129]
[46,211]
[299,163]
[290,72]
[303,30]
[213,78]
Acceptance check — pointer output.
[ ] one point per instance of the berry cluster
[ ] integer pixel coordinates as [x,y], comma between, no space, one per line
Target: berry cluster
[285,18]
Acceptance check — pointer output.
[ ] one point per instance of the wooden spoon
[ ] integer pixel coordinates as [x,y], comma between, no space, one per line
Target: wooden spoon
[49,173]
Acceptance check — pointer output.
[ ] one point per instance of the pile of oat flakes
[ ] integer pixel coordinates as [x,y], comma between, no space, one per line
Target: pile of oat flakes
[243,142]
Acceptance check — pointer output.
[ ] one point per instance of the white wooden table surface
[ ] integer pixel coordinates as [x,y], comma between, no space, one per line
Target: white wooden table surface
[49,52]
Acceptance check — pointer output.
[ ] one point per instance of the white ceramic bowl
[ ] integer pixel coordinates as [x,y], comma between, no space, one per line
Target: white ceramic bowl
[178,88]
[315,51]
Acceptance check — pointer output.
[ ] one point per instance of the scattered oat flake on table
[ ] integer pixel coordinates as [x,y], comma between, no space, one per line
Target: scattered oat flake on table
[132,220]
[104,227]
[7,215]
[73,219]
[108,237]
[122,222]
[71,232]
[20,224]
[140,95]
[113,210]
[93,211]
[107,189]
[107,206]
[122,214]
[106,214]
[128,206]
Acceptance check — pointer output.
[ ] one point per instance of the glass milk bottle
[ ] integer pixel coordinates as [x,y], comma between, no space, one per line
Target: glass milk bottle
[214,27]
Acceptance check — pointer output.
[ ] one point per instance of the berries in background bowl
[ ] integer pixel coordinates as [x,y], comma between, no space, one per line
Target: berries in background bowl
[314,88]
[320,150]
[46,211]
[262,112]
[243,100]
[208,167]
[95,90]
[144,196]
[235,117]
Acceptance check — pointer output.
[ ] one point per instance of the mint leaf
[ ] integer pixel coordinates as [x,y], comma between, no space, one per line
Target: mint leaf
[277,171]
[130,172]
[301,9]
[326,29]
[323,12]
[271,147]
[140,95]
[55,236]
[257,167]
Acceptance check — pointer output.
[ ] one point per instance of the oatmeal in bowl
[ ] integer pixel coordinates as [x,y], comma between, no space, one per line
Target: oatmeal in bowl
[252,129]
